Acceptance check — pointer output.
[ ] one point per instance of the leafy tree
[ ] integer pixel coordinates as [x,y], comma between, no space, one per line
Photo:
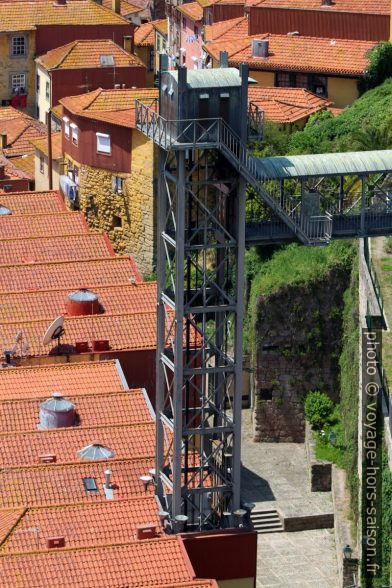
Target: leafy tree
[318,408]
[379,68]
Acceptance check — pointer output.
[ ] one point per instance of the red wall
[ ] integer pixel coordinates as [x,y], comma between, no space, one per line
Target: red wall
[86,150]
[226,11]
[51,36]
[317,23]
[69,82]
[18,185]
[223,555]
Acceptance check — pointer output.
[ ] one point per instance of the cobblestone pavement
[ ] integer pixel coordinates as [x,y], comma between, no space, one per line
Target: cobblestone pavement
[275,475]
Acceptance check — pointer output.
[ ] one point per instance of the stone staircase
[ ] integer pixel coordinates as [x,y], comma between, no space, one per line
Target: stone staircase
[266,521]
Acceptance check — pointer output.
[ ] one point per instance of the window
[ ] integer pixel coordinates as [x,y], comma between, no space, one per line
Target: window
[117,184]
[74,133]
[37,83]
[184,24]
[41,164]
[18,46]
[283,80]
[37,112]
[66,126]
[107,60]
[90,484]
[301,81]
[313,83]
[47,90]
[18,84]
[117,222]
[103,143]
[151,60]
[196,31]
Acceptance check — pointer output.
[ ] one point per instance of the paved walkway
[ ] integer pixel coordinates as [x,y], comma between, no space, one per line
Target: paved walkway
[275,475]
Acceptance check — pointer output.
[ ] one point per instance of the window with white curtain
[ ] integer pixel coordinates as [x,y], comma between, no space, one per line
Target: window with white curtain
[103,143]
[74,133]
[66,126]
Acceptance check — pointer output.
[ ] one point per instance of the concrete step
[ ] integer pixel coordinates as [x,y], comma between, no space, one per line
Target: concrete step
[266,521]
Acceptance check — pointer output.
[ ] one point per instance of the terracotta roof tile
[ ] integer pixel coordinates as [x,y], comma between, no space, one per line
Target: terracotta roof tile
[123,331]
[158,562]
[29,203]
[49,303]
[67,247]
[8,519]
[234,28]
[126,8]
[286,105]
[12,169]
[116,106]
[71,379]
[25,164]
[42,145]
[87,54]
[161,26]
[42,225]
[24,449]
[82,525]
[366,6]
[145,35]
[44,485]
[21,16]
[297,53]
[68,274]
[101,408]
[20,130]
[192,10]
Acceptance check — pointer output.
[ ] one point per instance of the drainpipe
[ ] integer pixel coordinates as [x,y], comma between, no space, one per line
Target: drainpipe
[50,161]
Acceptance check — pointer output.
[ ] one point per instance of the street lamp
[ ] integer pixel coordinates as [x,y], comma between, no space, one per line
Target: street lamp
[347,552]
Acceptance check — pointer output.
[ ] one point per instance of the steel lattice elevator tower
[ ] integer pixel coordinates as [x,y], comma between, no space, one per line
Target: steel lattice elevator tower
[201,247]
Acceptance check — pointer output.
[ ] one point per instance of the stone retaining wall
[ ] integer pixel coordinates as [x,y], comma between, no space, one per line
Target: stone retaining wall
[320,472]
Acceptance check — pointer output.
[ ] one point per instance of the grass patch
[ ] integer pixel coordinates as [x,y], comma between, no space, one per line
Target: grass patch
[388,245]
[325,450]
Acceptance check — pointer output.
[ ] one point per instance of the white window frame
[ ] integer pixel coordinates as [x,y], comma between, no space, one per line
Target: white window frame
[101,148]
[20,76]
[16,48]
[117,184]
[47,90]
[74,133]
[66,126]
[41,164]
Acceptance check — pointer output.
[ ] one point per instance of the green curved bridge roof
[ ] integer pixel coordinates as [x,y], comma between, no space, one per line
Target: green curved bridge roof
[328,164]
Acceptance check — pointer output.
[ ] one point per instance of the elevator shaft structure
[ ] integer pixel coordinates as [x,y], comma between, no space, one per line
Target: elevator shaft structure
[200,262]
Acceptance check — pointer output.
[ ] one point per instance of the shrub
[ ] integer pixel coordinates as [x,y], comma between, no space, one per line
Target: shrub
[379,68]
[318,408]
[388,245]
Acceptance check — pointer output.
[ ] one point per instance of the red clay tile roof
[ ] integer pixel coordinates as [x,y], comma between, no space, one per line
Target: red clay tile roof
[87,54]
[234,28]
[24,449]
[20,129]
[286,105]
[145,35]
[21,16]
[161,26]
[72,379]
[46,304]
[366,6]
[98,409]
[67,247]
[88,273]
[44,485]
[113,106]
[42,145]
[8,519]
[12,169]
[82,525]
[297,53]
[155,562]
[191,10]
[29,203]
[126,8]
[123,331]
[14,226]
[24,164]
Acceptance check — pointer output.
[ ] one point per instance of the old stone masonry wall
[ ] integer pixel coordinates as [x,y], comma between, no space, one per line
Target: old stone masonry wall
[298,343]
[127,217]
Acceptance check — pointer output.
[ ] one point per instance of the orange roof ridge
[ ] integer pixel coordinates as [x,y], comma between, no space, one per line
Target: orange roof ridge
[36,237]
[130,392]
[82,464]
[89,317]
[109,259]
[67,430]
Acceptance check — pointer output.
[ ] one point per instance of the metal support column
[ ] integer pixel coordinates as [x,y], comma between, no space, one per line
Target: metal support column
[363,205]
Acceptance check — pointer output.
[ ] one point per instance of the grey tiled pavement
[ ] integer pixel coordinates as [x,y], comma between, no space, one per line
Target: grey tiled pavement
[275,476]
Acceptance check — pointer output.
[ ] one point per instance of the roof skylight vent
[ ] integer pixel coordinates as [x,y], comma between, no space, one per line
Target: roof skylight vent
[4,210]
[107,60]
[95,451]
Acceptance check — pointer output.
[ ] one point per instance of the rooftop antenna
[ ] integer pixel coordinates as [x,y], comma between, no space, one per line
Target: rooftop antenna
[54,331]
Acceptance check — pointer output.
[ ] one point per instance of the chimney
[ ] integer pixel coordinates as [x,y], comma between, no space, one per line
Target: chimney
[224,59]
[108,483]
[260,47]
[116,4]
[55,542]
[128,43]
[326,2]
[146,531]
[3,140]
[48,458]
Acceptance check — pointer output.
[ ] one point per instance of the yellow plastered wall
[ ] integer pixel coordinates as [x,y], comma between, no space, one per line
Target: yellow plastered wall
[144,54]
[342,91]
[128,217]
[24,64]
[42,179]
